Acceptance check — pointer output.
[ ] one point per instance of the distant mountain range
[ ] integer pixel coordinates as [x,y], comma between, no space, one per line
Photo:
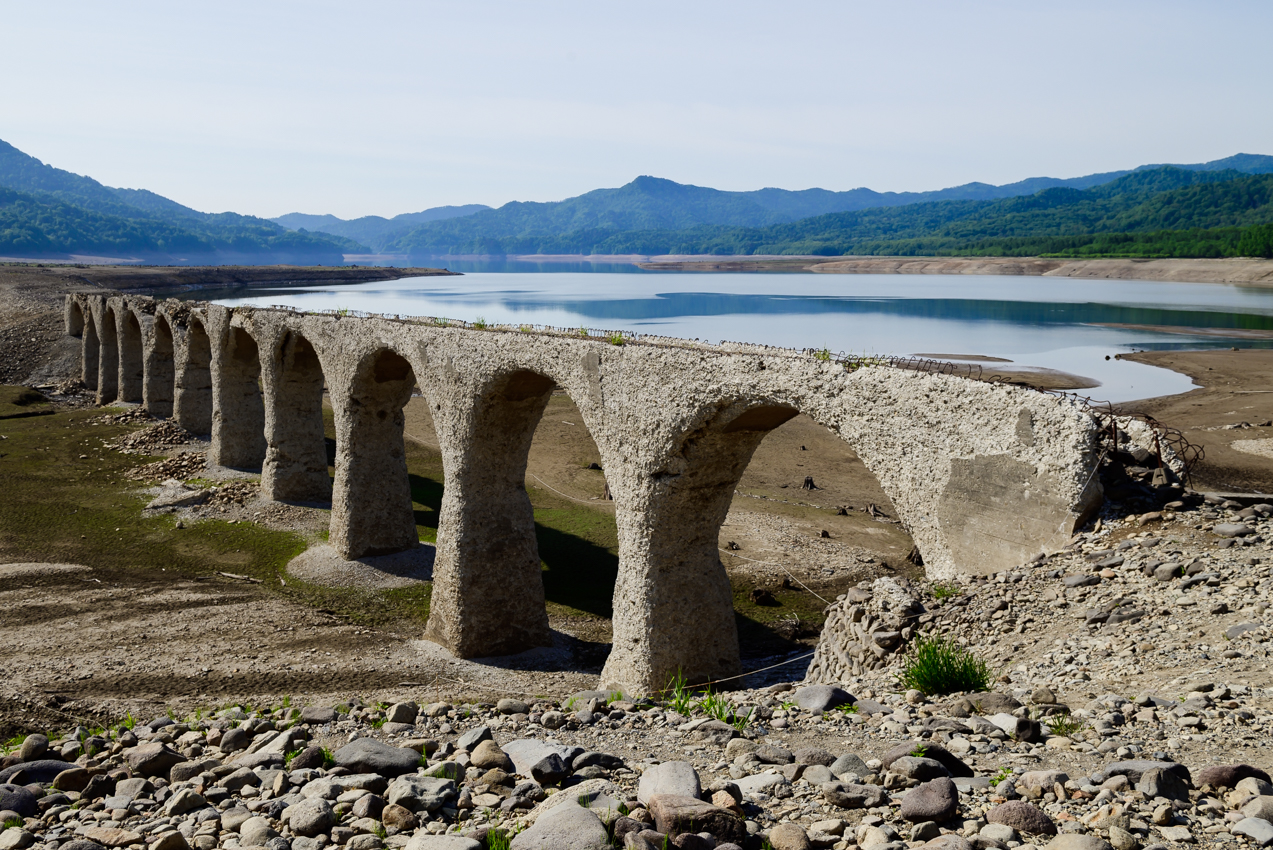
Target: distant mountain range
[373,230]
[48,212]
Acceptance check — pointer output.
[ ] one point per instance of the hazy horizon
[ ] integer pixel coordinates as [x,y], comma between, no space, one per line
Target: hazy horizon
[398,107]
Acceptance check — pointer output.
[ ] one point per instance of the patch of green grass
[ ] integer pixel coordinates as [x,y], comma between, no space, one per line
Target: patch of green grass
[939,665]
[12,823]
[499,839]
[919,752]
[480,323]
[21,402]
[946,590]
[329,760]
[713,705]
[1063,725]
[678,695]
[1004,773]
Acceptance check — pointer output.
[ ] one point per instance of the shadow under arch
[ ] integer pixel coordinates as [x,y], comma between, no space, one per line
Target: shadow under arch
[488,591]
[372,513]
[108,361]
[132,366]
[192,396]
[160,375]
[238,415]
[295,468]
[74,319]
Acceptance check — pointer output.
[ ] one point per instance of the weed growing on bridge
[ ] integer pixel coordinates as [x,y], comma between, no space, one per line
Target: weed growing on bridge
[939,665]
[615,339]
[480,323]
[822,354]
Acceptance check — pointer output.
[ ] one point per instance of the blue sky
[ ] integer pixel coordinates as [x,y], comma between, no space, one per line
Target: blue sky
[388,107]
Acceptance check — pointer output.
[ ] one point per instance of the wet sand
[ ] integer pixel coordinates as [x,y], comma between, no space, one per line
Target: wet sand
[1230,414]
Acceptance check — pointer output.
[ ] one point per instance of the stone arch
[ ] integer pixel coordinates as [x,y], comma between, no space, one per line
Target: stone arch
[74,319]
[132,369]
[371,499]
[238,413]
[674,609]
[296,454]
[192,395]
[488,590]
[108,359]
[90,352]
[160,378]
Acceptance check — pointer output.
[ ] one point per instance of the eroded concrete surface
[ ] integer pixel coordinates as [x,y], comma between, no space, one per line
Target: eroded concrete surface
[982,476]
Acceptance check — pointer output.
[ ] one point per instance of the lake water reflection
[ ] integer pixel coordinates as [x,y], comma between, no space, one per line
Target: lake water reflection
[1034,322]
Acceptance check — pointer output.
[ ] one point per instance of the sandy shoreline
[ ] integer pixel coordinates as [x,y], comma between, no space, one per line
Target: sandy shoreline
[1247,272]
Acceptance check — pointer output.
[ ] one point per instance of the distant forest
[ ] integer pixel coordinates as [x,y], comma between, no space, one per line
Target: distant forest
[1222,208]
[1163,212]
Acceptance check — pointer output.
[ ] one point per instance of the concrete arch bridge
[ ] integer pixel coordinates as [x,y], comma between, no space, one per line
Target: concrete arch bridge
[983,476]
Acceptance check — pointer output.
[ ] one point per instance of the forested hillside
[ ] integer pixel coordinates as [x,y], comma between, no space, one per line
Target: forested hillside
[1205,210]
[48,212]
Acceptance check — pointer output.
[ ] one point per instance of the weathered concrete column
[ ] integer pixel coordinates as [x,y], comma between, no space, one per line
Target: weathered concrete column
[238,411]
[371,500]
[131,356]
[192,396]
[108,359]
[157,392]
[673,604]
[295,467]
[488,589]
[89,354]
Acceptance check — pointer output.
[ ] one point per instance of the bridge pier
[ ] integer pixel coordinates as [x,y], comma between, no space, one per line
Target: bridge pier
[295,468]
[160,376]
[238,410]
[488,589]
[192,391]
[371,500]
[108,359]
[132,369]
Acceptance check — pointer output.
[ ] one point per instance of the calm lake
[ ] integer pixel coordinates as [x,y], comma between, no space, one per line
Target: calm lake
[1035,322]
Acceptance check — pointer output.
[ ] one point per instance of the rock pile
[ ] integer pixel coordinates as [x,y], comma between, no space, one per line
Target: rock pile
[866,629]
[439,776]
[182,466]
[158,438]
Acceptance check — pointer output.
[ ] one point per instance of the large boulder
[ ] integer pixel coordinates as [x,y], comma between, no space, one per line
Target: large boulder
[675,814]
[43,771]
[421,793]
[928,750]
[847,795]
[566,827]
[1229,775]
[1074,841]
[153,759]
[310,817]
[1023,817]
[15,798]
[367,755]
[678,778]
[936,800]
[819,698]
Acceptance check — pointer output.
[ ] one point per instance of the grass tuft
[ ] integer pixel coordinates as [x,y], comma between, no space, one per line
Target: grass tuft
[938,665]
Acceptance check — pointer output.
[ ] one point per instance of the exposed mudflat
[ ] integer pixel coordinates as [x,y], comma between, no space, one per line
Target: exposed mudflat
[1244,271]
